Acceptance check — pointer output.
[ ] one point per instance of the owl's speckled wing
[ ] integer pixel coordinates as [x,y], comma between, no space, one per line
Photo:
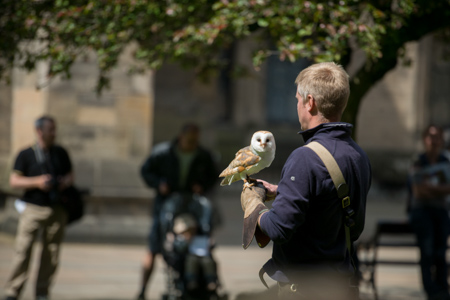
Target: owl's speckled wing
[244,160]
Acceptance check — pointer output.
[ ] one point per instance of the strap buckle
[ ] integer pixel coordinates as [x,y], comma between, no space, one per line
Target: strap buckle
[345,202]
[349,222]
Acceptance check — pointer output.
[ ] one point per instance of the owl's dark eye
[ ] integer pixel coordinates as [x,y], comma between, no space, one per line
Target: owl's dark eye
[258,139]
[268,140]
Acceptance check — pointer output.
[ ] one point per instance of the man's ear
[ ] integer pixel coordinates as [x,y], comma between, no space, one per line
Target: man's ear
[310,103]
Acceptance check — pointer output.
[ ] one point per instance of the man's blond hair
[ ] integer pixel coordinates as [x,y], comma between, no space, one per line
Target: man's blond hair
[328,84]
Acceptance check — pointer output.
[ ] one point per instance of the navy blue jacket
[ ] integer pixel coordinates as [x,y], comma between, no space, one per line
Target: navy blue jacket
[306,219]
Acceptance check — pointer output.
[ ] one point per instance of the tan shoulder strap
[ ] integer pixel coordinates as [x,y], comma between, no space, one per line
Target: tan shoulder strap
[341,188]
[329,161]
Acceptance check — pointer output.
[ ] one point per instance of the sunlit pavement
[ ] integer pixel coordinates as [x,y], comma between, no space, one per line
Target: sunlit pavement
[106,272]
[109,271]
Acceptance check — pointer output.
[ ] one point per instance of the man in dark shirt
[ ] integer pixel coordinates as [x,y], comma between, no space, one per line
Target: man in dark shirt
[428,213]
[43,171]
[180,166]
[310,259]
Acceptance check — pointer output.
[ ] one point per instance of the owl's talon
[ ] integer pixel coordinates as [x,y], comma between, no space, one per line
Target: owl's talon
[249,182]
[246,185]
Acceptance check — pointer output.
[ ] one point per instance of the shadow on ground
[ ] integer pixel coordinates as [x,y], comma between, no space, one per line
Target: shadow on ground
[269,294]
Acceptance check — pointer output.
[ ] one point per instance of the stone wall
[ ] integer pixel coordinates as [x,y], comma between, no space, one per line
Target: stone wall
[107,136]
[388,120]
[110,136]
[387,116]
[398,108]
[5,131]
[181,97]
[439,83]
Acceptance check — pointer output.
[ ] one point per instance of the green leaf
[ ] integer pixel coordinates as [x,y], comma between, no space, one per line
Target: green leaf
[263,23]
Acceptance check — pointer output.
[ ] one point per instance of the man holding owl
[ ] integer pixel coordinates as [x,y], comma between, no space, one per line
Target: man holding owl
[313,222]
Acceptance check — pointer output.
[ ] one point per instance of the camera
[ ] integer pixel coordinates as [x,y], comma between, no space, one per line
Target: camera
[54,194]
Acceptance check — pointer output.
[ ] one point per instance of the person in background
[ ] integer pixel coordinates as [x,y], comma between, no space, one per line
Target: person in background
[43,170]
[447,143]
[180,166]
[428,214]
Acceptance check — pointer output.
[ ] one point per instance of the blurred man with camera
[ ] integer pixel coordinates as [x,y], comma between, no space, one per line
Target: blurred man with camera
[43,171]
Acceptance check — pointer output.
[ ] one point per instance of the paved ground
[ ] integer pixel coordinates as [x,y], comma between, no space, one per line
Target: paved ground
[110,270]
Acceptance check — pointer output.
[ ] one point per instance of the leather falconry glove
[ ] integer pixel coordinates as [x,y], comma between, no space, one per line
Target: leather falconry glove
[252,202]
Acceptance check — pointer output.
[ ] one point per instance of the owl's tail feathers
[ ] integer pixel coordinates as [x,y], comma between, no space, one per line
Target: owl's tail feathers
[229,180]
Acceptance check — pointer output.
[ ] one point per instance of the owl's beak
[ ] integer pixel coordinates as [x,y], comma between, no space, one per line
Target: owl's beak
[263,145]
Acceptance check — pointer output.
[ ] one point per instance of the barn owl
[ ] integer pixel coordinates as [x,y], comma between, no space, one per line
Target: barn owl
[251,159]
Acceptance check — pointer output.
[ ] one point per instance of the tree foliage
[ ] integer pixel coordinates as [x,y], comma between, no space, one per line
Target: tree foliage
[195,32]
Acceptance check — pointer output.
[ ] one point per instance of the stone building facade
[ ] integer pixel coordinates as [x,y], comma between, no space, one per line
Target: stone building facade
[398,108]
[109,137]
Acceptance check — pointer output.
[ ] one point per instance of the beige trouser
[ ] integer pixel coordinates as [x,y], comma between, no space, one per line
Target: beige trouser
[52,222]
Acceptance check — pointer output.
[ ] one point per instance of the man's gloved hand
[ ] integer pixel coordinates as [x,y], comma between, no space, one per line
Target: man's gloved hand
[251,197]
[252,202]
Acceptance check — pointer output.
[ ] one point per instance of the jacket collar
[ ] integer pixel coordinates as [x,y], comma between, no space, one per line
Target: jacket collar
[307,134]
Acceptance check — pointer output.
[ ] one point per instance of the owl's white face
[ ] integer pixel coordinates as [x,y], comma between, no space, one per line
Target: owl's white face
[263,141]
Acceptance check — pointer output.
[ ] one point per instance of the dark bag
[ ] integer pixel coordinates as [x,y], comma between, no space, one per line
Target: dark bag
[72,200]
